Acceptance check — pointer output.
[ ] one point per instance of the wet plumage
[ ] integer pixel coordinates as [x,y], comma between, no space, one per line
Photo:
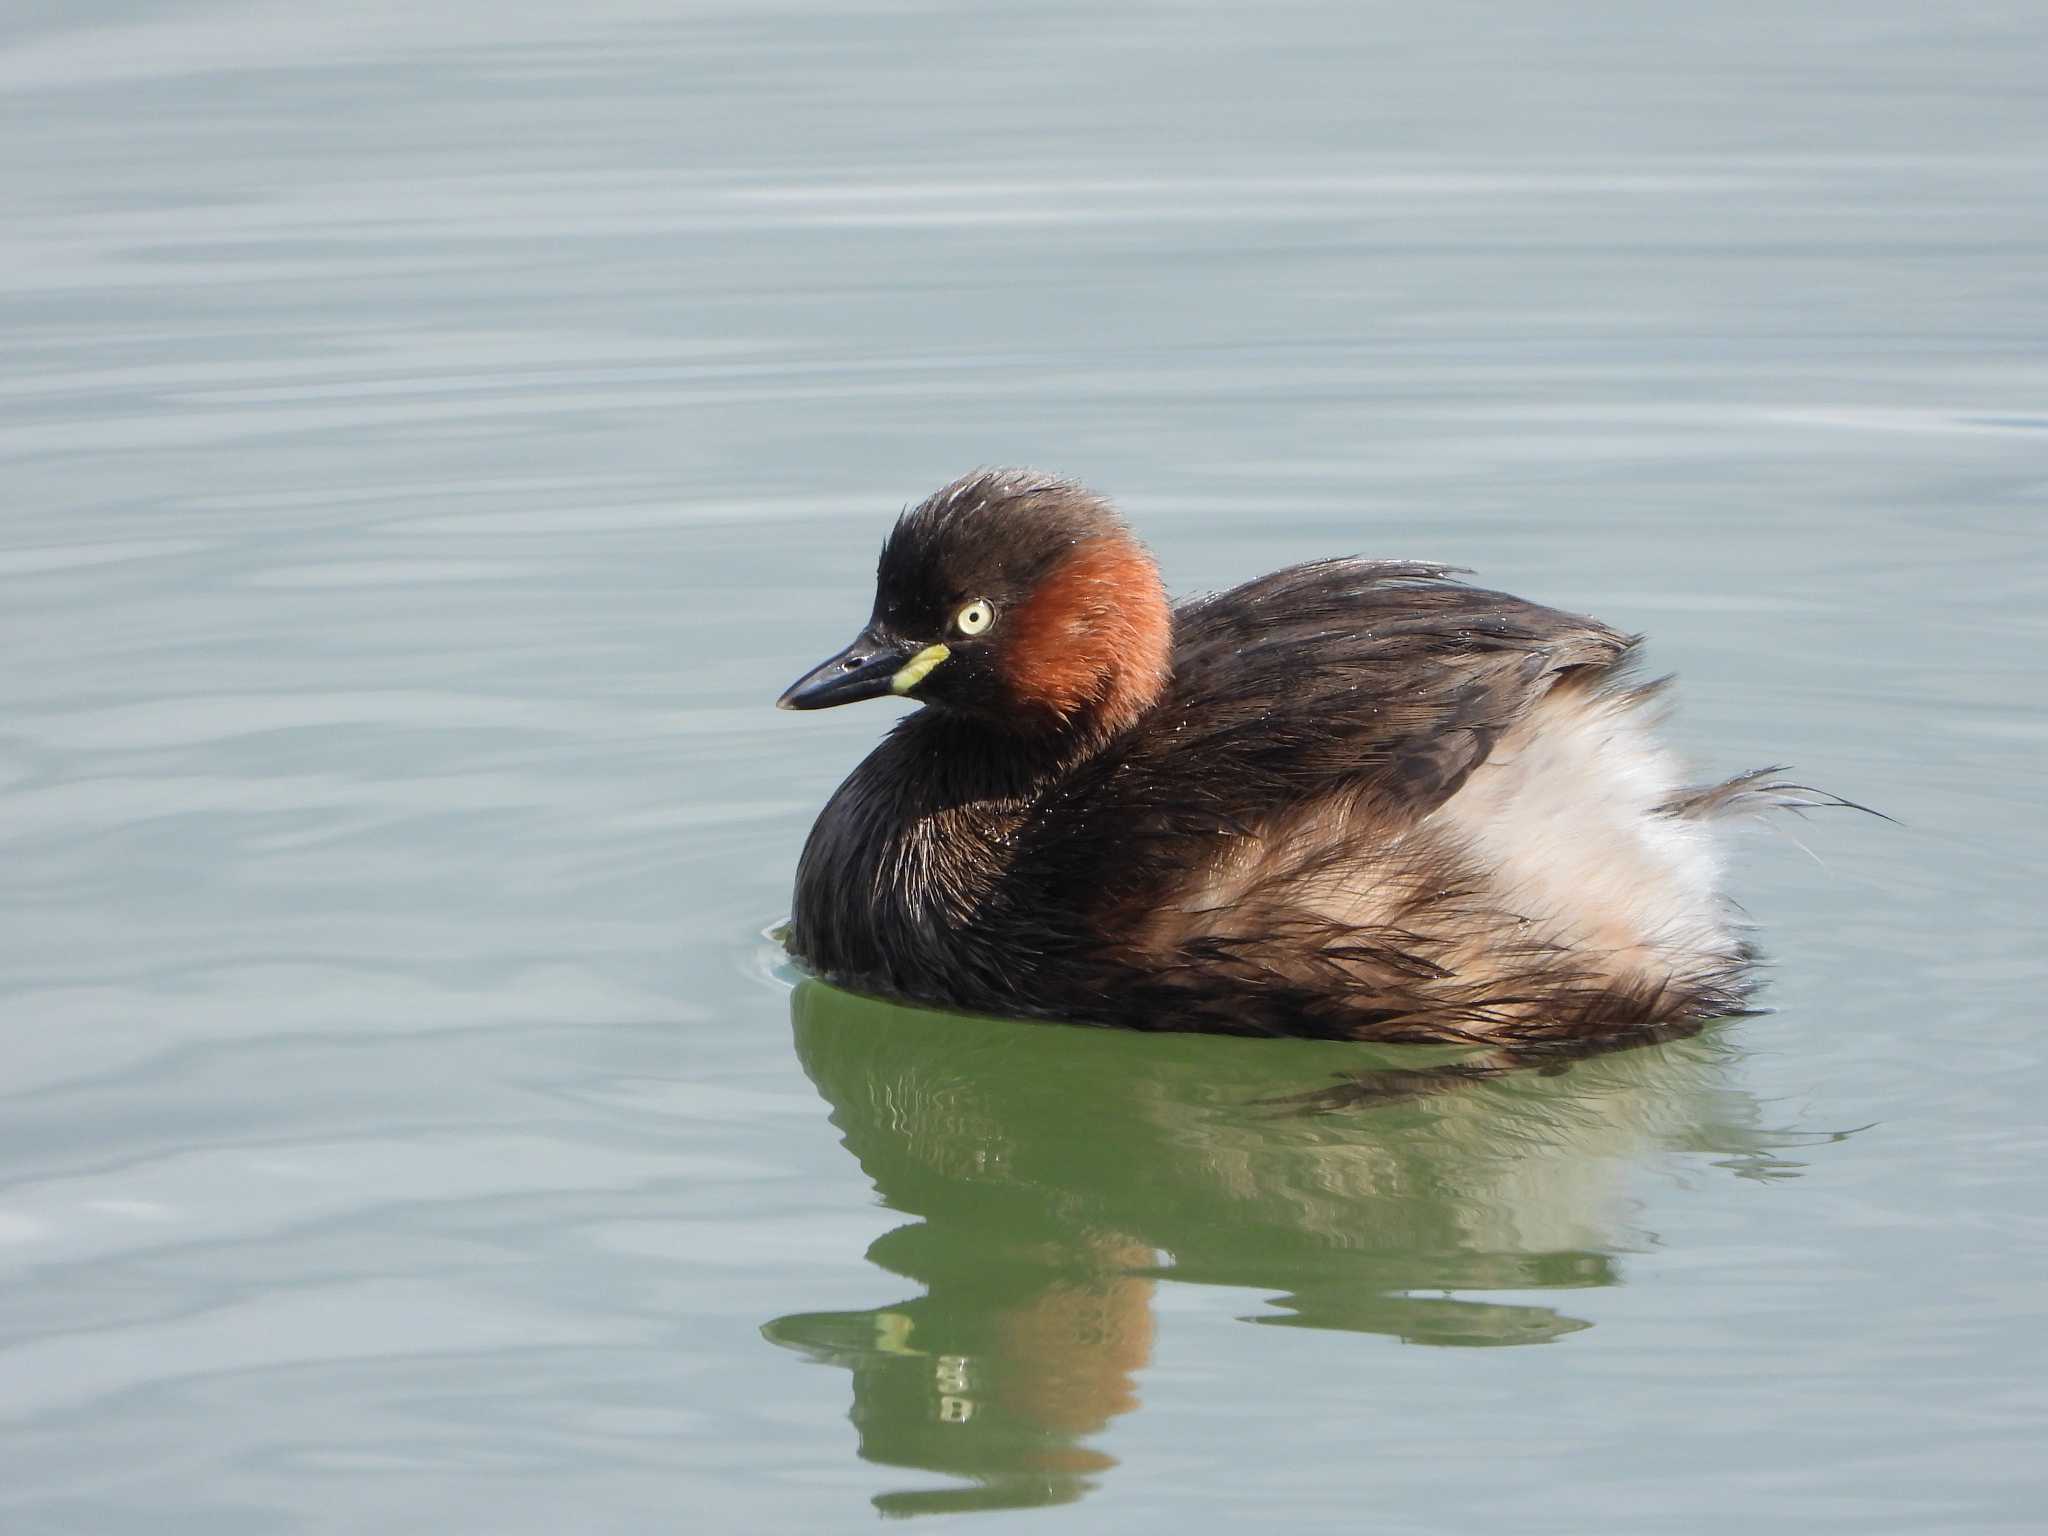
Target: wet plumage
[1353,799]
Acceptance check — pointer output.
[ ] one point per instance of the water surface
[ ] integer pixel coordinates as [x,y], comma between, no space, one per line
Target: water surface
[432,435]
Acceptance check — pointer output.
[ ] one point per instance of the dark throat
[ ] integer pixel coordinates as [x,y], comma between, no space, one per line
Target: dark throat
[899,869]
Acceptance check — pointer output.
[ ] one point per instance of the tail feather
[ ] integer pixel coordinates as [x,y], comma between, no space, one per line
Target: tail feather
[1750,793]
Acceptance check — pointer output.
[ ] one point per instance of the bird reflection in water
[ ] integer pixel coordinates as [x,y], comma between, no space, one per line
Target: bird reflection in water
[1057,1175]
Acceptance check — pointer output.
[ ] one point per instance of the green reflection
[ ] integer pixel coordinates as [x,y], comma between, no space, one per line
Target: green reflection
[1058,1174]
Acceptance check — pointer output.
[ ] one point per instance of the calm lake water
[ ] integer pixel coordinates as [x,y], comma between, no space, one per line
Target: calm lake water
[431,435]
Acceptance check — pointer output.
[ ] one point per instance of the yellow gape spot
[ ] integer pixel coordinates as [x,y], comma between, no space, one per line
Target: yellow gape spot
[918,668]
[892,1334]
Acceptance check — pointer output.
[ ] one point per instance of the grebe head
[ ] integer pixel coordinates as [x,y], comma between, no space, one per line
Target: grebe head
[1015,597]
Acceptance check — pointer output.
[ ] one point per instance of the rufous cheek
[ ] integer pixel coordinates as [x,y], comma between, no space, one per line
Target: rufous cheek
[1096,636]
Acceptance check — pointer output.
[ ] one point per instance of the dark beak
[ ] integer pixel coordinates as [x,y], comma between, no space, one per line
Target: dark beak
[861,671]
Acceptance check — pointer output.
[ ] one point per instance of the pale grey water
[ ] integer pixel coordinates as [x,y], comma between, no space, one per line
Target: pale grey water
[430,436]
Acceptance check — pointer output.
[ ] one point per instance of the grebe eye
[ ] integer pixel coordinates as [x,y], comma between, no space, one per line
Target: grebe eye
[975,617]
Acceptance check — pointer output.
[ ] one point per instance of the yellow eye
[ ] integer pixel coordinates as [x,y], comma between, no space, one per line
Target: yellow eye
[975,617]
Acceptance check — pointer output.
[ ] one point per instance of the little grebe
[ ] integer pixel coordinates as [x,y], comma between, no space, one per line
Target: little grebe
[1355,799]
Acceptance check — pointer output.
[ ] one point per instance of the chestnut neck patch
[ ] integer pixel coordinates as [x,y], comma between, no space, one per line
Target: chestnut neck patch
[1094,642]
